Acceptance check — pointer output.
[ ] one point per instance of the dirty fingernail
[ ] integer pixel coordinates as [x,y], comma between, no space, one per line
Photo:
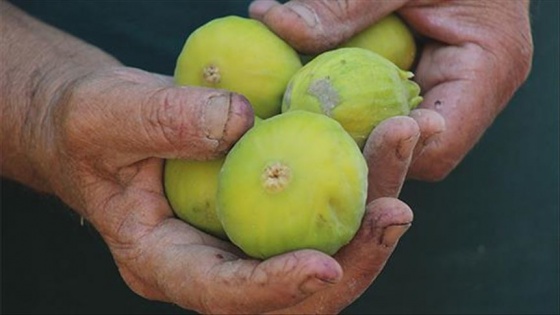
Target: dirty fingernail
[215,116]
[393,233]
[259,8]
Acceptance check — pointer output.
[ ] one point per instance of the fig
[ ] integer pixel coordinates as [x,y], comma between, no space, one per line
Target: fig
[391,38]
[191,189]
[241,55]
[356,87]
[294,181]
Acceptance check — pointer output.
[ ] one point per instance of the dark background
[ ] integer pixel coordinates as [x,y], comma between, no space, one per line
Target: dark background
[485,240]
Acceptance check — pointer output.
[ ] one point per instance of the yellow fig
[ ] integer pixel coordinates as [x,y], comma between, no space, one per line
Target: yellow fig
[294,181]
[241,55]
[191,189]
[356,87]
[391,38]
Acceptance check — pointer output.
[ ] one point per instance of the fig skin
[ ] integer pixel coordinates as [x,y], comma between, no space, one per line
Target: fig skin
[391,38]
[241,55]
[190,187]
[294,181]
[356,87]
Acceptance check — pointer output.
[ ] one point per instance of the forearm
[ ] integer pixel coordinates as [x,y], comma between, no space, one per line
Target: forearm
[37,62]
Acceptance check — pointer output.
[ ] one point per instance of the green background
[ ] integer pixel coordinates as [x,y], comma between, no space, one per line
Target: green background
[484,240]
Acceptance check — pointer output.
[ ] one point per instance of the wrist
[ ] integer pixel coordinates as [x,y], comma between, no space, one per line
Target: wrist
[39,64]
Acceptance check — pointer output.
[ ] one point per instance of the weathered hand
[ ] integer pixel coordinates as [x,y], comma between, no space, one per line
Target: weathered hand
[475,56]
[77,124]
[103,143]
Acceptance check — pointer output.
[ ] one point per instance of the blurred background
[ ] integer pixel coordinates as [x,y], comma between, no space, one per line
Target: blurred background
[484,241]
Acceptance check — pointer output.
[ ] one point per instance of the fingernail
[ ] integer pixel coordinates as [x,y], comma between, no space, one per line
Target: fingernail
[315,284]
[240,106]
[216,113]
[257,9]
[307,15]
[405,147]
[393,233]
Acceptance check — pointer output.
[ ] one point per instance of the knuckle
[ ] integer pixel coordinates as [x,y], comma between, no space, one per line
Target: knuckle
[434,171]
[164,117]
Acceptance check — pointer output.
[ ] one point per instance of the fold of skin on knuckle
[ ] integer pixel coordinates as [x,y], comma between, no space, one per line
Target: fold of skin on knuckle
[165,120]
[172,123]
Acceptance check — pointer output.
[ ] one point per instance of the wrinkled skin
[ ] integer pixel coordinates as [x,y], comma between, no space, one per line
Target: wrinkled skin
[79,125]
[475,56]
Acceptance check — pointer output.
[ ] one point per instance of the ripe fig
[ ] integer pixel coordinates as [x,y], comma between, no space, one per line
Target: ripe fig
[356,87]
[241,55]
[391,38]
[294,181]
[191,189]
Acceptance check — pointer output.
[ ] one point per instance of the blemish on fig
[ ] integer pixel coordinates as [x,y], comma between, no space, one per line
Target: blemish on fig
[211,74]
[437,104]
[276,176]
[219,256]
[287,98]
[323,90]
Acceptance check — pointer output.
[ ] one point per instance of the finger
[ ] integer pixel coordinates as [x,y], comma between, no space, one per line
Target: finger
[431,124]
[318,25]
[196,273]
[388,152]
[468,74]
[466,99]
[137,114]
[386,220]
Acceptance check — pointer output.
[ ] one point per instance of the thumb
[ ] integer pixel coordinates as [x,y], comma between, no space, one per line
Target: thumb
[136,114]
[315,26]
[196,123]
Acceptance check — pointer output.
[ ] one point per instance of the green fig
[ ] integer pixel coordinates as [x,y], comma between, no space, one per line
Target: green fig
[241,55]
[356,87]
[294,181]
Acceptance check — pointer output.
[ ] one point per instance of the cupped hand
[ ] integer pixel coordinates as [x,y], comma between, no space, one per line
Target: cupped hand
[108,134]
[475,55]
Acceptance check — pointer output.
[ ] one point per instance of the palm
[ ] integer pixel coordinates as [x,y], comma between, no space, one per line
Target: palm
[114,180]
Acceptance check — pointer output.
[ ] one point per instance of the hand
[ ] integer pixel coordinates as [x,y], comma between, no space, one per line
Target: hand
[476,55]
[77,124]
[113,127]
